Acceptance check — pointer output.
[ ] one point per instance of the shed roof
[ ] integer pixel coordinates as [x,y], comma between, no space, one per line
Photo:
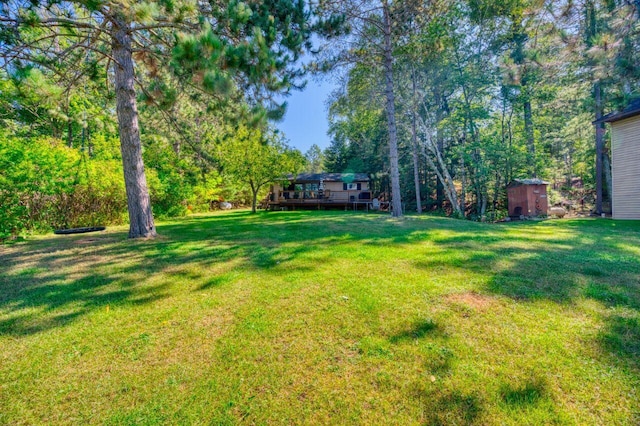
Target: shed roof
[518,182]
[631,110]
[330,177]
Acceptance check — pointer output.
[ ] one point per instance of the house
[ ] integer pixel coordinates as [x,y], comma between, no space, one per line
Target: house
[625,161]
[527,197]
[322,190]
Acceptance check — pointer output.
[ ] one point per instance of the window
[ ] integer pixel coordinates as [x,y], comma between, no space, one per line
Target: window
[310,190]
[351,186]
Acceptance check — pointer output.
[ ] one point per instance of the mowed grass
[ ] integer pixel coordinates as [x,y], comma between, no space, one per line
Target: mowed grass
[324,318]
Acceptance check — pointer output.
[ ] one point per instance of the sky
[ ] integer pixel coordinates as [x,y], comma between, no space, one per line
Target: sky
[305,122]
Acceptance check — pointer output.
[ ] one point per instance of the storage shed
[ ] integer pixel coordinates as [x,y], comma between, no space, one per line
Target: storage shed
[625,161]
[527,197]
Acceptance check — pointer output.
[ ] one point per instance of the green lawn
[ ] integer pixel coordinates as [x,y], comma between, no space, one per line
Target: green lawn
[324,318]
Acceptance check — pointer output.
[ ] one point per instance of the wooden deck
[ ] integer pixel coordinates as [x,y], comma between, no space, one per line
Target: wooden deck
[319,199]
[320,204]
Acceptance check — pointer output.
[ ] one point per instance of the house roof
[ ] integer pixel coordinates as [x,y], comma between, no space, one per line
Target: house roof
[518,182]
[631,110]
[330,177]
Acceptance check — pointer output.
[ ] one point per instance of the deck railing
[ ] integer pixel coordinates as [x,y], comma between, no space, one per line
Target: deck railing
[327,196]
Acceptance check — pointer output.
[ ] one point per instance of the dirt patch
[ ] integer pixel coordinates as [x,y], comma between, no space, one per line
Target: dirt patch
[471,300]
[87,240]
[92,239]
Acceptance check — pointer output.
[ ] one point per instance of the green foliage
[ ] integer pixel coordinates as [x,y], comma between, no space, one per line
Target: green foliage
[169,193]
[252,49]
[234,54]
[315,159]
[358,127]
[492,91]
[208,191]
[177,184]
[258,159]
[45,184]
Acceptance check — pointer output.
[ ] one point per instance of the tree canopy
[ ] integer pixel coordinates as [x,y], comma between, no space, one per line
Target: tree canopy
[442,103]
[234,53]
[486,92]
[259,159]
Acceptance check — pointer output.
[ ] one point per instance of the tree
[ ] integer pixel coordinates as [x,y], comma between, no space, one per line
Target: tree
[153,47]
[258,159]
[608,30]
[375,29]
[357,126]
[315,159]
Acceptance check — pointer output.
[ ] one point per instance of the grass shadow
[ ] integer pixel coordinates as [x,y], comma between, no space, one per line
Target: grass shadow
[621,338]
[51,283]
[519,397]
[566,262]
[558,261]
[418,330]
[455,408]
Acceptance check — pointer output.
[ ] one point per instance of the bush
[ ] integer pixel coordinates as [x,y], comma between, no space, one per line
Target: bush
[207,193]
[169,193]
[496,215]
[47,185]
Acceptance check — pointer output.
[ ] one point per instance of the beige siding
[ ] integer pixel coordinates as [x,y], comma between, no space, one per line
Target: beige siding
[338,186]
[333,186]
[625,141]
[333,191]
[337,193]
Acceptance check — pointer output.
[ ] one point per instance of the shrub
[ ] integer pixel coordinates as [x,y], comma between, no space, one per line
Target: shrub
[46,184]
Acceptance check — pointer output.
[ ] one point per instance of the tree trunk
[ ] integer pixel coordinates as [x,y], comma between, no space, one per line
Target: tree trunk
[416,167]
[139,205]
[597,93]
[569,163]
[509,168]
[439,167]
[496,191]
[396,203]
[69,125]
[463,185]
[472,130]
[445,177]
[606,165]
[520,37]
[254,199]
[414,140]
[70,134]
[254,203]
[528,131]
[463,182]
[440,113]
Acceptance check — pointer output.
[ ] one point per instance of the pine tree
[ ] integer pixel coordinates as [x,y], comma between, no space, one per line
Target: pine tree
[151,48]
